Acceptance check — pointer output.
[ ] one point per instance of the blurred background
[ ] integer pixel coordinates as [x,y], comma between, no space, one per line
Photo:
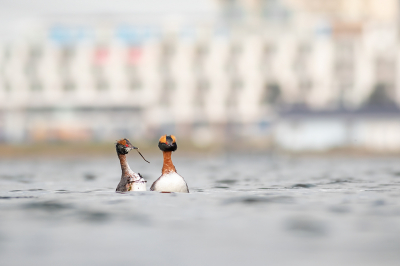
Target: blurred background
[267,100]
[295,75]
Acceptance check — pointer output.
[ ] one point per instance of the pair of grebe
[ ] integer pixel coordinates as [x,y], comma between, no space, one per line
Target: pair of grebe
[169,181]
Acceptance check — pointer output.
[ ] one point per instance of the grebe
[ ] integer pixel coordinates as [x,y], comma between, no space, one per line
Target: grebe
[130,181]
[169,181]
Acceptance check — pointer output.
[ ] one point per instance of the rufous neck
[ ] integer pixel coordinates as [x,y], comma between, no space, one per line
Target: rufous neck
[168,166]
[124,164]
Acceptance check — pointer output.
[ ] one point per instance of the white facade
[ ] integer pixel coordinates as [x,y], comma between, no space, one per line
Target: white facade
[188,78]
[316,132]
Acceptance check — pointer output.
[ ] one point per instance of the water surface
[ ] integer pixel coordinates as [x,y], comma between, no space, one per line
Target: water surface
[258,210]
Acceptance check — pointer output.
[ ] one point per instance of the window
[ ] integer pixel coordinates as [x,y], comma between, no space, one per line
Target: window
[7,86]
[167,89]
[202,87]
[102,85]
[272,93]
[134,84]
[236,86]
[35,85]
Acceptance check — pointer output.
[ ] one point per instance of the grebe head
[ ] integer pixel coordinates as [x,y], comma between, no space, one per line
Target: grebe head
[123,146]
[167,143]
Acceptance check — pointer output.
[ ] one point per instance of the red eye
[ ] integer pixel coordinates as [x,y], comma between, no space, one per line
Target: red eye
[126,145]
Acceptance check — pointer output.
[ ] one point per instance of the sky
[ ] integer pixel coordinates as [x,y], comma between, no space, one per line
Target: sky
[80,7]
[16,16]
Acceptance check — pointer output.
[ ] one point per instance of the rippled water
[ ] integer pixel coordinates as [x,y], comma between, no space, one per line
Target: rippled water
[258,209]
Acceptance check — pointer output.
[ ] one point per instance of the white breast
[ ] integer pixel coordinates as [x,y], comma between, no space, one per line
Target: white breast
[171,182]
[139,186]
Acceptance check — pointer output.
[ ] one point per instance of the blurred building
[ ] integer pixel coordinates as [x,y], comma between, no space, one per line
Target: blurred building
[305,130]
[220,76]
